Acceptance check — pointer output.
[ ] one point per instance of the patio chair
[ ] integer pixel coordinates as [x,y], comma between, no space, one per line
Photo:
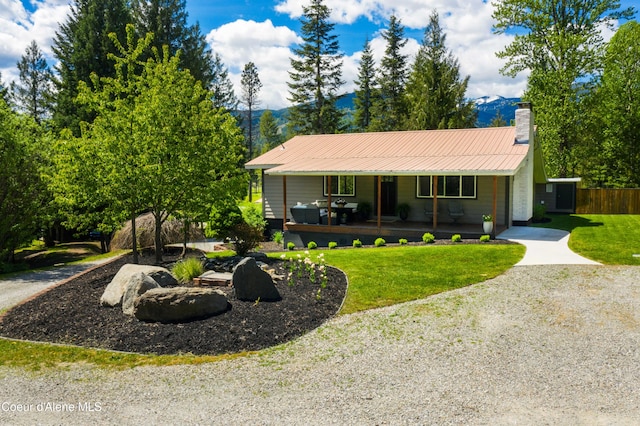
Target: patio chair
[428,212]
[455,210]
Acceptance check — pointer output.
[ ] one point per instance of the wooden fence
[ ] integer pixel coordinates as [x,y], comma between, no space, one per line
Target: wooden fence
[608,201]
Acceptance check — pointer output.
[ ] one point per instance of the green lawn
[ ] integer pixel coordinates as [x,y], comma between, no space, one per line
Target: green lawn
[608,239]
[387,275]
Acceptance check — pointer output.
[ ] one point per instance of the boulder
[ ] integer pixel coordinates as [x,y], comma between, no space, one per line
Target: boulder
[114,292]
[251,283]
[138,284]
[179,304]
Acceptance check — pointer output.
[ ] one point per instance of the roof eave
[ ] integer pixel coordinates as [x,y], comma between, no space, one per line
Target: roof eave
[392,172]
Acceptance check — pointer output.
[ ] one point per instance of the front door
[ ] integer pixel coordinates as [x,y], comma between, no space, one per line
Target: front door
[388,195]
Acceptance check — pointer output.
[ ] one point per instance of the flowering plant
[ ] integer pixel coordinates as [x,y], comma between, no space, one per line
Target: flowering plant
[487,218]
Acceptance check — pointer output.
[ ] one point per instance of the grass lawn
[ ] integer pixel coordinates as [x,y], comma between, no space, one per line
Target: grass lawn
[384,276]
[608,239]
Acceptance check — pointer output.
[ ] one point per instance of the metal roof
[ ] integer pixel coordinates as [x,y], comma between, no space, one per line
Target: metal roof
[484,151]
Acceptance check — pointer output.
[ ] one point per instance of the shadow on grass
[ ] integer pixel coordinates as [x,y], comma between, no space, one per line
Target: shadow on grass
[567,222]
[61,253]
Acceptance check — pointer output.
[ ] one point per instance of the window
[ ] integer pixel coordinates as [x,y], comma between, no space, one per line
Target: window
[341,185]
[448,187]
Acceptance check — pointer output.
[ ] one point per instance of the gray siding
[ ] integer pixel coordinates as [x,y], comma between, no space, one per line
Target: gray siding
[306,189]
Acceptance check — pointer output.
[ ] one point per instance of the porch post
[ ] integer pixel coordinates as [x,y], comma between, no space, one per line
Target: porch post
[495,204]
[379,202]
[284,201]
[329,201]
[435,202]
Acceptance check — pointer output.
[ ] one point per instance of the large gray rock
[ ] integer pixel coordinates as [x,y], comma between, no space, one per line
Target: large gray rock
[179,304]
[252,283]
[138,284]
[114,292]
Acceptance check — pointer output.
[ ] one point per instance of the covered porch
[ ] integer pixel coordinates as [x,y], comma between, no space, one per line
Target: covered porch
[367,231]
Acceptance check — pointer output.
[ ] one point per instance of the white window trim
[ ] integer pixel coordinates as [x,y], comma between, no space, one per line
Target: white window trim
[475,188]
[339,193]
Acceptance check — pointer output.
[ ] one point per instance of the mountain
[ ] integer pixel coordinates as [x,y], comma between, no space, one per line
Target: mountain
[487,107]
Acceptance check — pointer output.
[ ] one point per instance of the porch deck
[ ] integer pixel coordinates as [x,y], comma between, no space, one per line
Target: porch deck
[368,231]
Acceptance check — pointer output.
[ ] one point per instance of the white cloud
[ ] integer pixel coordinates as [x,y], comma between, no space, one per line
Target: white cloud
[18,27]
[264,44]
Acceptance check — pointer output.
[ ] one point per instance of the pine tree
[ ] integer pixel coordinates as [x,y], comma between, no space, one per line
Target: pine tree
[364,92]
[34,93]
[167,20]
[316,75]
[4,90]
[81,46]
[498,120]
[270,135]
[251,86]
[435,93]
[222,88]
[389,108]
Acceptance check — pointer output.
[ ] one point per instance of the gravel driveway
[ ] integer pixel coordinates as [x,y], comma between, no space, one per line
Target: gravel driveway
[549,344]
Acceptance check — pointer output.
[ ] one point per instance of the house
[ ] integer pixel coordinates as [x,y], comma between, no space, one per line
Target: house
[448,178]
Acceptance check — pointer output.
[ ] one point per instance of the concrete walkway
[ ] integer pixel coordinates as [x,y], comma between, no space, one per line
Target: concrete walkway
[544,246]
[17,288]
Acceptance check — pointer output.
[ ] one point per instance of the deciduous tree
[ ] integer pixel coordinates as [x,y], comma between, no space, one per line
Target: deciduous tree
[617,112]
[157,143]
[21,187]
[560,42]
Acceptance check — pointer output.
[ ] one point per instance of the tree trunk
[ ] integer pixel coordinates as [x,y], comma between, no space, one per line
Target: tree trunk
[158,238]
[186,225]
[134,241]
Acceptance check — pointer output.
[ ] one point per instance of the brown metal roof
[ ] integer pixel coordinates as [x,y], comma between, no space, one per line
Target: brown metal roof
[490,151]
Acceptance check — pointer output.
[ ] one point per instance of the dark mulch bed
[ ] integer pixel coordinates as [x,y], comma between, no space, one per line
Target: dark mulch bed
[71,314]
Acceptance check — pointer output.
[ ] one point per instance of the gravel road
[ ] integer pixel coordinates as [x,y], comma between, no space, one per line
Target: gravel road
[538,345]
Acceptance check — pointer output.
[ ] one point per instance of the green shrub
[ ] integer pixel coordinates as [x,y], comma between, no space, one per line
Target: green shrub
[291,245]
[402,241]
[312,245]
[456,238]
[252,214]
[539,211]
[379,242]
[278,237]
[485,238]
[357,243]
[188,269]
[333,244]
[428,238]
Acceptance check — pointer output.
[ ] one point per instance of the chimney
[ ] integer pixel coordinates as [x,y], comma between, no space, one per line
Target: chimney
[524,123]
[523,184]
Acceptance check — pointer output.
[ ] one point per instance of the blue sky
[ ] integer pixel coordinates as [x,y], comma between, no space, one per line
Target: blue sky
[265,31]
